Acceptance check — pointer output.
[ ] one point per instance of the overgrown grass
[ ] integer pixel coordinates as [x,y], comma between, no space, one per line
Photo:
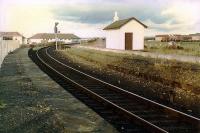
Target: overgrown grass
[168,72]
[2,104]
[189,48]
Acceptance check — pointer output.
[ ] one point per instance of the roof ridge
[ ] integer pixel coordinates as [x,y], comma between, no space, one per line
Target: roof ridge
[118,24]
[52,36]
[11,33]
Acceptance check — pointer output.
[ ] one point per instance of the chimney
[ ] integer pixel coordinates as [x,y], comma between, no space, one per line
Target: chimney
[115,18]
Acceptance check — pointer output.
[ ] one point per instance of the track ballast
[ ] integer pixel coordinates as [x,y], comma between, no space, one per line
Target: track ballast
[127,111]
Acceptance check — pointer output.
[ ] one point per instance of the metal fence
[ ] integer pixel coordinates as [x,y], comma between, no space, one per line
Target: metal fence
[7,46]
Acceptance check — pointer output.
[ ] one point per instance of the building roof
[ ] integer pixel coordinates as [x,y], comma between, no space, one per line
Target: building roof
[118,24]
[169,35]
[162,35]
[52,36]
[197,34]
[10,34]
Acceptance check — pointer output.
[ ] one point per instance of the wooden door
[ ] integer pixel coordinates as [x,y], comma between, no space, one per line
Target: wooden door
[128,41]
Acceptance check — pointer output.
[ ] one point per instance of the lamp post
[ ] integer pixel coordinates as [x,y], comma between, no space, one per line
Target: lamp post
[56,31]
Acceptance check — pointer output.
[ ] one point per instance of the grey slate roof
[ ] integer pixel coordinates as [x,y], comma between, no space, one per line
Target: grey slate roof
[10,34]
[120,23]
[52,36]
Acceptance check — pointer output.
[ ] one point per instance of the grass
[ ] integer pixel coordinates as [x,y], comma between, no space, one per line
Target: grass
[189,48]
[169,80]
[2,104]
[168,72]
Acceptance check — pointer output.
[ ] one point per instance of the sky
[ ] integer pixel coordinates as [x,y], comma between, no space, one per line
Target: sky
[87,18]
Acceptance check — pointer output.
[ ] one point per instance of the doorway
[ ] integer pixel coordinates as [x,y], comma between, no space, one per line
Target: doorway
[128,41]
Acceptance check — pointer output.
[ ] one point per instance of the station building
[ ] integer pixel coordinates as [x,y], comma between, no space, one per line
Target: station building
[16,36]
[126,34]
[50,37]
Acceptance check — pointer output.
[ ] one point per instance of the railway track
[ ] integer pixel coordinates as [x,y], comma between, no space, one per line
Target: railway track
[121,107]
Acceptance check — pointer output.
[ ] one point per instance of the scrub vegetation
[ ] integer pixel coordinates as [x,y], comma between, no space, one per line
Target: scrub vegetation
[183,48]
[183,78]
[169,72]
[2,104]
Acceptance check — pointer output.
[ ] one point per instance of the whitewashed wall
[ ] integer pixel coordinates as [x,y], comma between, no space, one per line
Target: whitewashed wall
[138,34]
[158,39]
[195,38]
[18,38]
[50,40]
[34,41]
[115,39]
[7,46]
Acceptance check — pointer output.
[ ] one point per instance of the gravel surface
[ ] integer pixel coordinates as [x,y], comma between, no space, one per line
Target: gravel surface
[183,58]
[31,102]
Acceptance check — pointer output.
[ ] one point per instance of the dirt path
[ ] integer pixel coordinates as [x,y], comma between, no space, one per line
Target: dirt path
[184,58]
[31,102]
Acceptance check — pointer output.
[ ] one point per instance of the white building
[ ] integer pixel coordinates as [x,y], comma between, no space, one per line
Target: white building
[13,36]
[160,38]
[195,37]
[9,41]
[50,37]
[126,34]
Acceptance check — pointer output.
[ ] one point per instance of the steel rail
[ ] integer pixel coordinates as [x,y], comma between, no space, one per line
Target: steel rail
[153,128]
[166,108]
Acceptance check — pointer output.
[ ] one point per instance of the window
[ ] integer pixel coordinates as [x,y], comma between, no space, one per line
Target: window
[7,38]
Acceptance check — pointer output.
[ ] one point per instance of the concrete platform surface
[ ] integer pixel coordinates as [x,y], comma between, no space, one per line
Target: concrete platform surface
[31,102]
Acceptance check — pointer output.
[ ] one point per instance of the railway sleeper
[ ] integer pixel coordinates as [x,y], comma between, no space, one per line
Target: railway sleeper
[149,117]
[167,123]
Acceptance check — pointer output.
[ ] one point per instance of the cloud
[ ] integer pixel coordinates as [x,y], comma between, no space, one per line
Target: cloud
[161,15]
[88,17]
[81,29]
[103,13]
[28,20]
[185,14]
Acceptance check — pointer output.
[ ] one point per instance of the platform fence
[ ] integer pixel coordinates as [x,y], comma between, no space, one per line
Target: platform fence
[7,46]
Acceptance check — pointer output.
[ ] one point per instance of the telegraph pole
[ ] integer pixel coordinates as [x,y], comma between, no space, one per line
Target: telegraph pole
[56,31]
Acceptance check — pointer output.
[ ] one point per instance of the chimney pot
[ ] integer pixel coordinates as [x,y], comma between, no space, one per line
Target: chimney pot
[116,18]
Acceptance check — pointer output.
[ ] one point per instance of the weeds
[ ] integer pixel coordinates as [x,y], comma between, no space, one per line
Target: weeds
[182,48]
[2,104]
[168,72]
[177,82]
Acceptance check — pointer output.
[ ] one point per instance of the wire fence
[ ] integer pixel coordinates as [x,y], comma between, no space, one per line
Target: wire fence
[7,46]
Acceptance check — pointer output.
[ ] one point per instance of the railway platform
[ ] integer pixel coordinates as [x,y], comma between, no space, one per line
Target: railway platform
[31,102]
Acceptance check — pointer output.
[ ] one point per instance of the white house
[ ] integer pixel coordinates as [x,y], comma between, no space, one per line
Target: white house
[9,41]
[126,34]
[195,37]
[50,37]
[161,38]
[13,36]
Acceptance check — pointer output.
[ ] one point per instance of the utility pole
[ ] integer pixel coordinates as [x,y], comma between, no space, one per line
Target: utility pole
[56,31]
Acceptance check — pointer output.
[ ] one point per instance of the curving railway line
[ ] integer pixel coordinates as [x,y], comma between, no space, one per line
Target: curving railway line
[127,111]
